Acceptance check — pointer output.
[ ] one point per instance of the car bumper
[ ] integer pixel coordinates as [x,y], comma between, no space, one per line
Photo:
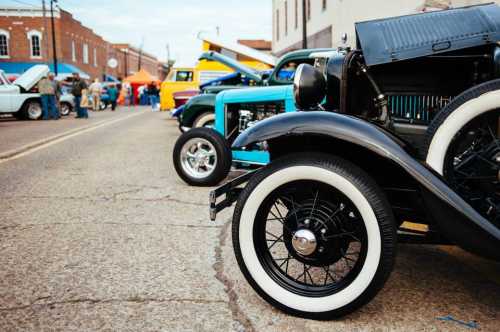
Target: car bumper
[230,190]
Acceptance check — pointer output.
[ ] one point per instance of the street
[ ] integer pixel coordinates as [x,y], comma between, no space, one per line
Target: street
[97,233]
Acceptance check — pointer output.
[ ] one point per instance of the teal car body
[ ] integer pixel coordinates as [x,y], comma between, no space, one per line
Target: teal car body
[280,96]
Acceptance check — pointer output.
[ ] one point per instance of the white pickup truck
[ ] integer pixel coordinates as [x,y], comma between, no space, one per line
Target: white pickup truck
[18,98]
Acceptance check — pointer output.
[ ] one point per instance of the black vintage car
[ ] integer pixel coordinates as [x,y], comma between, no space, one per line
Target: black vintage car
[413,135]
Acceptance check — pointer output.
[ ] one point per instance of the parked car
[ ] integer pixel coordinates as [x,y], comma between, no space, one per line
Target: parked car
[199,111]
[412,134]
[20,98]
[235,111]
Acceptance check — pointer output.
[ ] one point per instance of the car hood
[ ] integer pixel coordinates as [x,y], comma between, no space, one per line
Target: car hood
[31,77]
[231,63]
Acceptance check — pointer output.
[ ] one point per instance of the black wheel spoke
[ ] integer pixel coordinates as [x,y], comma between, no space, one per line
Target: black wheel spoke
[295,214]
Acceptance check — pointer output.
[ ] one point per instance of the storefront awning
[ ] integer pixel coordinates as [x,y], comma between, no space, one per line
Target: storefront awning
[64,70]
[110,78]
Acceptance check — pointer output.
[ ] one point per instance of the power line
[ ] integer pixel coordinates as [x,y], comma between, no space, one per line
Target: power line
[25,3]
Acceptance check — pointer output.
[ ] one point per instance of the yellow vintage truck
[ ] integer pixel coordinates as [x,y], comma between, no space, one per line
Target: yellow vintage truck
[190,78]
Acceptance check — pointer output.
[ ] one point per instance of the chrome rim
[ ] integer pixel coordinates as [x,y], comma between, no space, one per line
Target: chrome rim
[65,109]
[34,111]
[198,158]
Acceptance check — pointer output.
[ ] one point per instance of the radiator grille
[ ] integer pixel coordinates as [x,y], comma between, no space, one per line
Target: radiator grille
[418,109]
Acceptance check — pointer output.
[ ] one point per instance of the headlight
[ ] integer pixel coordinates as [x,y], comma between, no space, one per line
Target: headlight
[309,86]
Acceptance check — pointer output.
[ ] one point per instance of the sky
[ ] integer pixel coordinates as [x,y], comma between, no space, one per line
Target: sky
[173,22]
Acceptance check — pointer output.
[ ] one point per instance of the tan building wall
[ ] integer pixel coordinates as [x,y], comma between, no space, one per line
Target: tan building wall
[328,20]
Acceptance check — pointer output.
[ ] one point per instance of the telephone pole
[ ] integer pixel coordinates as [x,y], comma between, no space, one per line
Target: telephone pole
[45,33]
[54,47]
[304,23]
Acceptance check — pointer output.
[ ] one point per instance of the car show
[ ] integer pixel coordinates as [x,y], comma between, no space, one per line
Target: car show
[343,175]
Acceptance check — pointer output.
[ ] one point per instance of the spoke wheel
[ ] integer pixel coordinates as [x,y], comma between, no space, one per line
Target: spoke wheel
[472,165]
[314,235]
[310,238]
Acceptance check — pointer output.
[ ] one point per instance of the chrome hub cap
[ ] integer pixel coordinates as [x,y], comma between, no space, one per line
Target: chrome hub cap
[304,242]
[198,157]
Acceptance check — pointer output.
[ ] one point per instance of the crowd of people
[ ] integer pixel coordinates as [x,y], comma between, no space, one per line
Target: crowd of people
[89,96]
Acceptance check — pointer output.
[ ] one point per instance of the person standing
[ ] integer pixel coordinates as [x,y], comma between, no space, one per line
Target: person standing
[95,90]
[76,90]
[47,90]
[113,95]
[58,90]
[153,95]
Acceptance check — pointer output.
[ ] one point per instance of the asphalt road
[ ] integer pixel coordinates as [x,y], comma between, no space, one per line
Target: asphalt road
[97,233]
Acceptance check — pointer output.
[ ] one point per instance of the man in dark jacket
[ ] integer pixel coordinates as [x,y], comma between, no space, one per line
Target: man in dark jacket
[153,93]
[76,90]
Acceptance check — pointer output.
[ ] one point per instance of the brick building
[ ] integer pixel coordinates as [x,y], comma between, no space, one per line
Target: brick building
[26,39]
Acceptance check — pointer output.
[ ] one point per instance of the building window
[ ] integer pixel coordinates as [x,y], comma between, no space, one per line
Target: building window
[73,51]
[4,44]
[85,53]
[324,5]
[296,14]
[286,18]
[95,57]
[277,24]
[308,10]
[35,38]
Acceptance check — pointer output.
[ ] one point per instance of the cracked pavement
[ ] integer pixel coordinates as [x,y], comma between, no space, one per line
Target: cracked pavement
[97,233]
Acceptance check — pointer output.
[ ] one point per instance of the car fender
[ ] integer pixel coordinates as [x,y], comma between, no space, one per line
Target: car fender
[195,106]
[19,101]
[373,138]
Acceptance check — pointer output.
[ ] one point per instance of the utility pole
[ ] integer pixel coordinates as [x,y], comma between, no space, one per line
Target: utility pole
[54,47]
[140,55]
[45,33]
[304,24]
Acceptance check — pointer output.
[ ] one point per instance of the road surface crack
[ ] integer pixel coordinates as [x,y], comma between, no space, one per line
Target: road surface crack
[133,299]
[238,315]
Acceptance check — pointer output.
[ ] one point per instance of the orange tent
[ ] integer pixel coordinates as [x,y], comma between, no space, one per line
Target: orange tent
[141,77]
[136,80]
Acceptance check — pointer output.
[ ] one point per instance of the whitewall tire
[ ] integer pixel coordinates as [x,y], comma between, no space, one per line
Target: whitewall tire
[371,208]
[206,119]
[457,117]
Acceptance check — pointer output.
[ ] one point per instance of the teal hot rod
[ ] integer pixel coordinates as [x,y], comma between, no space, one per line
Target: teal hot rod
[202,156]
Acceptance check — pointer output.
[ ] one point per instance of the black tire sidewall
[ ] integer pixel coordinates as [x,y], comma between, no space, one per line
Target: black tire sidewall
[373,194]
[222,148]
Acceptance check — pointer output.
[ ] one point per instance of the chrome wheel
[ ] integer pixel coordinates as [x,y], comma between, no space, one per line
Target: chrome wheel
[65,109]
[34,110]
[198,157]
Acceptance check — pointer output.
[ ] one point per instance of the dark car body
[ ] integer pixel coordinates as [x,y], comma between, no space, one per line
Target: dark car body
[412,77]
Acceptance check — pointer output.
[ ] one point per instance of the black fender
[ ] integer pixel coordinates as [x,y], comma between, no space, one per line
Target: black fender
[383,143]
